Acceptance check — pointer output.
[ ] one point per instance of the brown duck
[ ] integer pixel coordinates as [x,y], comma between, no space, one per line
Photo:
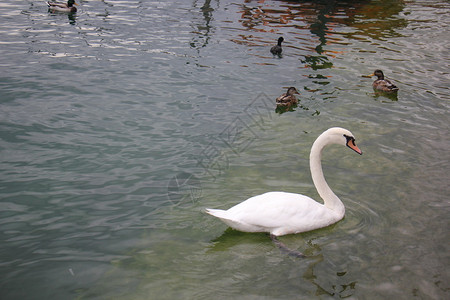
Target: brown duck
[63,7]
[288,98]
[382,84]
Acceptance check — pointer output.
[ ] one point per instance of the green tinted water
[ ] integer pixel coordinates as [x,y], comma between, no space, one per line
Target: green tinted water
[120,124]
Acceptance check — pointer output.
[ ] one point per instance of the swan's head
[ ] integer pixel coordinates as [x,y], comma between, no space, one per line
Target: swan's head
[341,136]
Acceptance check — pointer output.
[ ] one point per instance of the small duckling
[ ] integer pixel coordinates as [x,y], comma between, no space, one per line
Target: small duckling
[381,84]
[276,50]
[288,98]
[62,7]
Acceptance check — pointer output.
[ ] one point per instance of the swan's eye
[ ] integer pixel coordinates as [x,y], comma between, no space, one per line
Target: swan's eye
[350,140]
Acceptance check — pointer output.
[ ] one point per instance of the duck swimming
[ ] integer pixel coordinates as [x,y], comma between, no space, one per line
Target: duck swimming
[62,7]
[276,50]
[382,84]
[280,213]
[288,98]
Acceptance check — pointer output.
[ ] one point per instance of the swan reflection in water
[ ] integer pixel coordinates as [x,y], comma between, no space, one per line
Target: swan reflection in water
[255,245]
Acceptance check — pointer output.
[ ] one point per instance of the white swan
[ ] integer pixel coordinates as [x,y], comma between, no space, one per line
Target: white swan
[281,213]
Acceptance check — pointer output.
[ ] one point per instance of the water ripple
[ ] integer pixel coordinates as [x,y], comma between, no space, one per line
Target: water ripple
[100,110]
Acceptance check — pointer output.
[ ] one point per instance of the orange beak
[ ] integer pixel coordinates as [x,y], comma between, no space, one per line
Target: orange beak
[351,144]
[368,76]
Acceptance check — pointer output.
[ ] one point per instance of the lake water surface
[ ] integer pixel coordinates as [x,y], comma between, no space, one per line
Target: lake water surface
[122,123]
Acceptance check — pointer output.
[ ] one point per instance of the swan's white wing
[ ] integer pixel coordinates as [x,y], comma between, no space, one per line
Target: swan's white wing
[276,212]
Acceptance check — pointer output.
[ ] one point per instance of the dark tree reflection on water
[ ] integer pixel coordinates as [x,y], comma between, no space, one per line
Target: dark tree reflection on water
[323,19]
[203,28]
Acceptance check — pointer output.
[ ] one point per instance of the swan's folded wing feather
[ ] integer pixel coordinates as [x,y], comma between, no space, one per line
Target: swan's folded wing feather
[275,209]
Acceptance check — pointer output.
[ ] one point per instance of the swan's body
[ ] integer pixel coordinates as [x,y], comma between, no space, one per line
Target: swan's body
[63,7]
[281,213]
[276,50]
[382,84]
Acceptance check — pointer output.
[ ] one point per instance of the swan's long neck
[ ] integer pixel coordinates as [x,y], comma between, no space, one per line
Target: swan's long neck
[330,199]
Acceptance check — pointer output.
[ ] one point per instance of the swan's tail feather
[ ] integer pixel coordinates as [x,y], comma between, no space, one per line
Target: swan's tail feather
[219,213]
[285,248]
[224,216]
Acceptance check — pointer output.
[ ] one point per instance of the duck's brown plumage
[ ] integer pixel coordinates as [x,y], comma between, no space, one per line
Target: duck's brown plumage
[62,7]
[288,98]
[381,84]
